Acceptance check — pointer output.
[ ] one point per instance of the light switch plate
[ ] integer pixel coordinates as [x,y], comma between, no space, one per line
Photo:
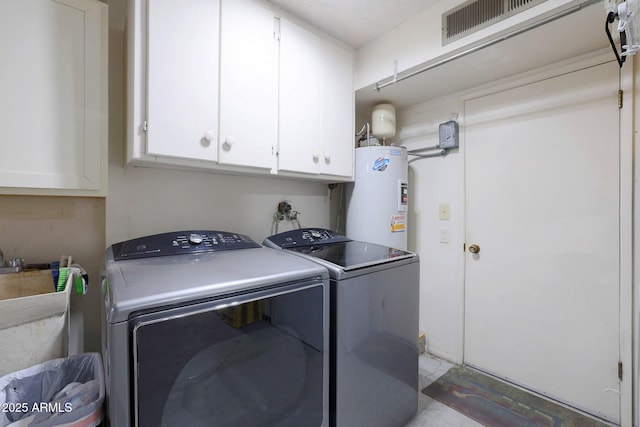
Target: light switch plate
[444,211]
[444,235]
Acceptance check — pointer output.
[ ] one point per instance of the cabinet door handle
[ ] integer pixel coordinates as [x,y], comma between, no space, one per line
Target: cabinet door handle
[228,142]
[209,137]
[327,157]
[316,156]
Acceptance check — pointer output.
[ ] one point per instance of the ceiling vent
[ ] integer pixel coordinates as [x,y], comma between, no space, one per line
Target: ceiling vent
[474,15]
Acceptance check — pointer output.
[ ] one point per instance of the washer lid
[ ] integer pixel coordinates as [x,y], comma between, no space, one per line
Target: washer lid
[352,255]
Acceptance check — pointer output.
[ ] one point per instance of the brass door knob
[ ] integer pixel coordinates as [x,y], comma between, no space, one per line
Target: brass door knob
[474,249]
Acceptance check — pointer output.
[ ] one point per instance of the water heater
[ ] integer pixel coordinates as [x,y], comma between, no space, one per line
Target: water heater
[378,200]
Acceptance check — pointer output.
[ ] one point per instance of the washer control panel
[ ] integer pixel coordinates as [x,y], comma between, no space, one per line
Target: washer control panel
[306,237]
[179,243]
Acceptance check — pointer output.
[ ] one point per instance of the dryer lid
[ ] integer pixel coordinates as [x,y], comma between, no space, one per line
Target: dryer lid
[180,243]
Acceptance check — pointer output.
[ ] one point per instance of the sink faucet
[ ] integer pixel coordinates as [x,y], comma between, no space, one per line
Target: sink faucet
[14,265]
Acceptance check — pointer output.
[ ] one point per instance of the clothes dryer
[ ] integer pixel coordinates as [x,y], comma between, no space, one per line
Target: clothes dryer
[206,328]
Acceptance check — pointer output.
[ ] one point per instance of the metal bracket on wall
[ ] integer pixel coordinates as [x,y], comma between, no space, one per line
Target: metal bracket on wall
[416,153]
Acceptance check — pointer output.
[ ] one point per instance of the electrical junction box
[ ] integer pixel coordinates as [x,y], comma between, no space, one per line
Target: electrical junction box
[448,134]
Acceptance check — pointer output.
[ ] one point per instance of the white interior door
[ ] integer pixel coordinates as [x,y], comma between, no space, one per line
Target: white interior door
[543,205]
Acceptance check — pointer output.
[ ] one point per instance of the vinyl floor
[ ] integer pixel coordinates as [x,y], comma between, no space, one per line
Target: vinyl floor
[431,412]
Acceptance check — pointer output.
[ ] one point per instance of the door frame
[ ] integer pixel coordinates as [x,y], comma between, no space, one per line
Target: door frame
[628,338]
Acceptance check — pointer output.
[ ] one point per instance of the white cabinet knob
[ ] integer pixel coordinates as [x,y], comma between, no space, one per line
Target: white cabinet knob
[327,157]
[316,156]
[228,142]
[209,137]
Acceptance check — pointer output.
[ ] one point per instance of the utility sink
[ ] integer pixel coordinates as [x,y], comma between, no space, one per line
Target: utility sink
[34,325]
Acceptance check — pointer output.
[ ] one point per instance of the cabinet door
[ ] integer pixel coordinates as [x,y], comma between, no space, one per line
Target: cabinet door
[248,84]
[316,104]
[53,81]
[338,112]
[299,121]
[182,78]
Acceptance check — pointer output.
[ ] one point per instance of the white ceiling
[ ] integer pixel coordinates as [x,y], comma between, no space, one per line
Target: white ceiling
[355,22]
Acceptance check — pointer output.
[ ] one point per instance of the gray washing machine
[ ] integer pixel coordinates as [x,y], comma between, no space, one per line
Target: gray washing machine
[205,328]
[374,326]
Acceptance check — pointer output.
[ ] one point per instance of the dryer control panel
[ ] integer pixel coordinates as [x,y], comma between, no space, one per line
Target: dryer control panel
[179,243]
[306,237]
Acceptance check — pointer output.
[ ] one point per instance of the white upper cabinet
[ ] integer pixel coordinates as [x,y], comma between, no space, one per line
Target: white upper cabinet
[300,77]
[337,102]
[202,79]
[248,89]
[53,108]
[316,128]
[182,78]
[229,86]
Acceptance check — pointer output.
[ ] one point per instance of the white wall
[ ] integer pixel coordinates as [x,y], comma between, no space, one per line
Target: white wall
[434,181]
[149,200]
